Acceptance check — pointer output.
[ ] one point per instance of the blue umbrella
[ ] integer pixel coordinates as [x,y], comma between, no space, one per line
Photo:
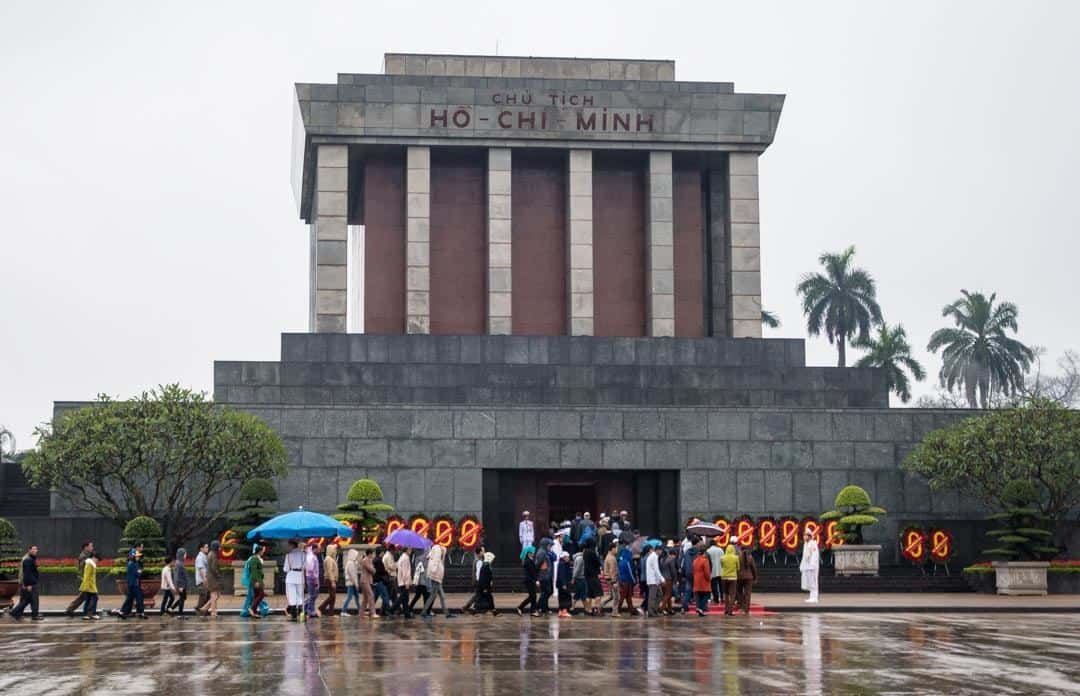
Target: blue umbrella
[409,539]
[655,543]
[300,523]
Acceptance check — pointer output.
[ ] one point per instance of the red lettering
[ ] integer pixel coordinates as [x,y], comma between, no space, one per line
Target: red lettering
[624,119]
[586,123]
[646,120]
[507,123]
[436,117]
[461,118]
[530,119]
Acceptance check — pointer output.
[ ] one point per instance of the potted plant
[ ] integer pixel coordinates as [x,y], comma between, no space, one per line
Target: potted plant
[363,508]
[10,558]
[853,511]
[1023,541]
[253,511]
[146,531]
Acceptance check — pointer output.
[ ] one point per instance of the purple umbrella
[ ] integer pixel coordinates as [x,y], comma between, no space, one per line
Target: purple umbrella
[409,539]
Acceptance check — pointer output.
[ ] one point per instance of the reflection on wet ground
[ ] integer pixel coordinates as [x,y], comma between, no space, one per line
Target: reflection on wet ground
[814,654]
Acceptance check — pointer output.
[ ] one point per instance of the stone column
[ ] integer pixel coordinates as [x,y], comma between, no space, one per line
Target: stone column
[418,244]
[331,238]
[579,214]
[745,256]
[500,280]
[719,249]
[660,289]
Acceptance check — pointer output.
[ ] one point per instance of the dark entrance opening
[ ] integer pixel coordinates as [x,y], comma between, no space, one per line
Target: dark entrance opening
[566,500]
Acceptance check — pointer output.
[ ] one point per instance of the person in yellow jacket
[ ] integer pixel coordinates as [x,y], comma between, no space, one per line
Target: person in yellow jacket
[729,575]
[89,586]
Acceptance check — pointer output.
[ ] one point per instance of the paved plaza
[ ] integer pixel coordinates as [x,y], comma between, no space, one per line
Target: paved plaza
[783,653]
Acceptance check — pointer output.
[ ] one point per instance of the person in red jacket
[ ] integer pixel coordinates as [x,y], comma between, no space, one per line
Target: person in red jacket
[702,580]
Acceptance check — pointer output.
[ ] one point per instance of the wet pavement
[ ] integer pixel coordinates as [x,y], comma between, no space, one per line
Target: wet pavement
[786,653]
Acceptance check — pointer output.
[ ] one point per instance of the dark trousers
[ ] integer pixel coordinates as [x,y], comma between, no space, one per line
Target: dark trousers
[744,590]
[134,600]
[626,594]
[544,605]
[26,598]
[327,606]
[529,603]
[717,590]
[687,594]
[90,605]
[402,602]
[383,594]
[166,601]
[77,602]
[204,596]
[419,592]
[729,595]
[257,598]
[703,601]
[472,600]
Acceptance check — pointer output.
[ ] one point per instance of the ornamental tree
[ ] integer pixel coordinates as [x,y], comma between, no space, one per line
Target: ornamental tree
[168,454]
[146,531]
[364,505]
[853,511]
[252,511]
[1038,442]
[1022,535]
[10,550]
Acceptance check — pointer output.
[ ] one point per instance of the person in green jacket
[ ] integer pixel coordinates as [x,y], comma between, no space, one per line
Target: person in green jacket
[729,575]
[88,587]
[255,581]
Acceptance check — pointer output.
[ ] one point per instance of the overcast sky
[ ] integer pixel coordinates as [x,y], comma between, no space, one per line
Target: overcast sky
[148,227]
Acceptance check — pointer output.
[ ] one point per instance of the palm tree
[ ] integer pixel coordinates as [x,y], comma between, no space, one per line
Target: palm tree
[890,351]
[977,353]
[843,301]
[769,319]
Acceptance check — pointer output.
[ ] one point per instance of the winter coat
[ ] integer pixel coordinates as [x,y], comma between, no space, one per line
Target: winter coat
[420,575]
[89,576]
[352,568]
[180,576]
[367,570]
[330,566]
[652,570]
[404,570]
[213,573]
[134,571]
[168,581]
[747,566]
[436,565]
[702,574]
[626,567]
[528,567]
[729,564]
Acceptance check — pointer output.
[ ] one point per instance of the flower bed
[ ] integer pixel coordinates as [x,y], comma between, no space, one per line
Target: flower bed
[1062,577]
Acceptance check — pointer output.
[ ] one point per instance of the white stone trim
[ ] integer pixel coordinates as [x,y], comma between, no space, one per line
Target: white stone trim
[580,229]
[418,240]
[744,279]
[330,287]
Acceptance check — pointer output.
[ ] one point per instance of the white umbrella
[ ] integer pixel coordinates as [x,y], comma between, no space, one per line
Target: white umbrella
[705,529]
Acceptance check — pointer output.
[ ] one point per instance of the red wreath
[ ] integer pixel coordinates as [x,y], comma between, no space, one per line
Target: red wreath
[941,545]
[832,535]
[810,524]
[913,544]
[442,531]
[469,531]
[745,532]
[724,537]
[768,534]
[393,523]
[421,525]
[789,534]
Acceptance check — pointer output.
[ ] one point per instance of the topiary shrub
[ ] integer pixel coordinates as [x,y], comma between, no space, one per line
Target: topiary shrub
[1022,535]
[853,511]
[252,512]
[146,531]
[10,550]
[363,506]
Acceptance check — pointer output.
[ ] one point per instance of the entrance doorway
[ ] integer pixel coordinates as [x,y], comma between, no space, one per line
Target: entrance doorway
[567,499]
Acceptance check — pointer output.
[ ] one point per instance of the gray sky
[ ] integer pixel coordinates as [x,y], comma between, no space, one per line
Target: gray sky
[148,226]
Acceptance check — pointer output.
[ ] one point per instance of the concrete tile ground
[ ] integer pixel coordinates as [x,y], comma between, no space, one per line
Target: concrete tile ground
[774,654]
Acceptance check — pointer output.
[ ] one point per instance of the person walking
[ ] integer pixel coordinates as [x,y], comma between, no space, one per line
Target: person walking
[526,533]
[403,565]
[747,578]
[653,580]
[809,565]
[716,557]
[530,581]
[478,562]
[611,574]
[366,585]
[544,575]
[702,574]
[133,577]
[390,566]
[729,573]
[670,572]
[213,581]
[29,578]
[168,586]
[293,567]
[436,570]
[686,569]
[201,561]
[88,587]
[381,584]
[330,576]
[564,575]
[180,580]
[580,591]
[485,587]
[626,580]
[255,577]
[352,581]
[593,568]
[85,552]
[311,580]
[421,585]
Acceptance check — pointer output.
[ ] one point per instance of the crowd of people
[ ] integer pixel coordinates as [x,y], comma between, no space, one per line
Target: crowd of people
[587,567]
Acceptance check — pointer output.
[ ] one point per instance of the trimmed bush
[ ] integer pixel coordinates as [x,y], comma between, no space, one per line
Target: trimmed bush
[363,506]
[146,531]
[853,511]
[1023,535]
[10,550]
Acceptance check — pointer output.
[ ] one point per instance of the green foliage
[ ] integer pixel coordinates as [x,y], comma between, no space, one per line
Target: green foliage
[889,351]
[1022,536]
[250,514]
[842,301]
[979,570]
[770,320]
[994,457]
[854,510]
[146,531]
[978,355]
[363,505]
[10,549]
[168,453]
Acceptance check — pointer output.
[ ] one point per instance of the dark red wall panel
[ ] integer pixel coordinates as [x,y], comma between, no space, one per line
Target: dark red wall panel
[384,243]
[538,211]
[618,244]
[689,251]
[458,242]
